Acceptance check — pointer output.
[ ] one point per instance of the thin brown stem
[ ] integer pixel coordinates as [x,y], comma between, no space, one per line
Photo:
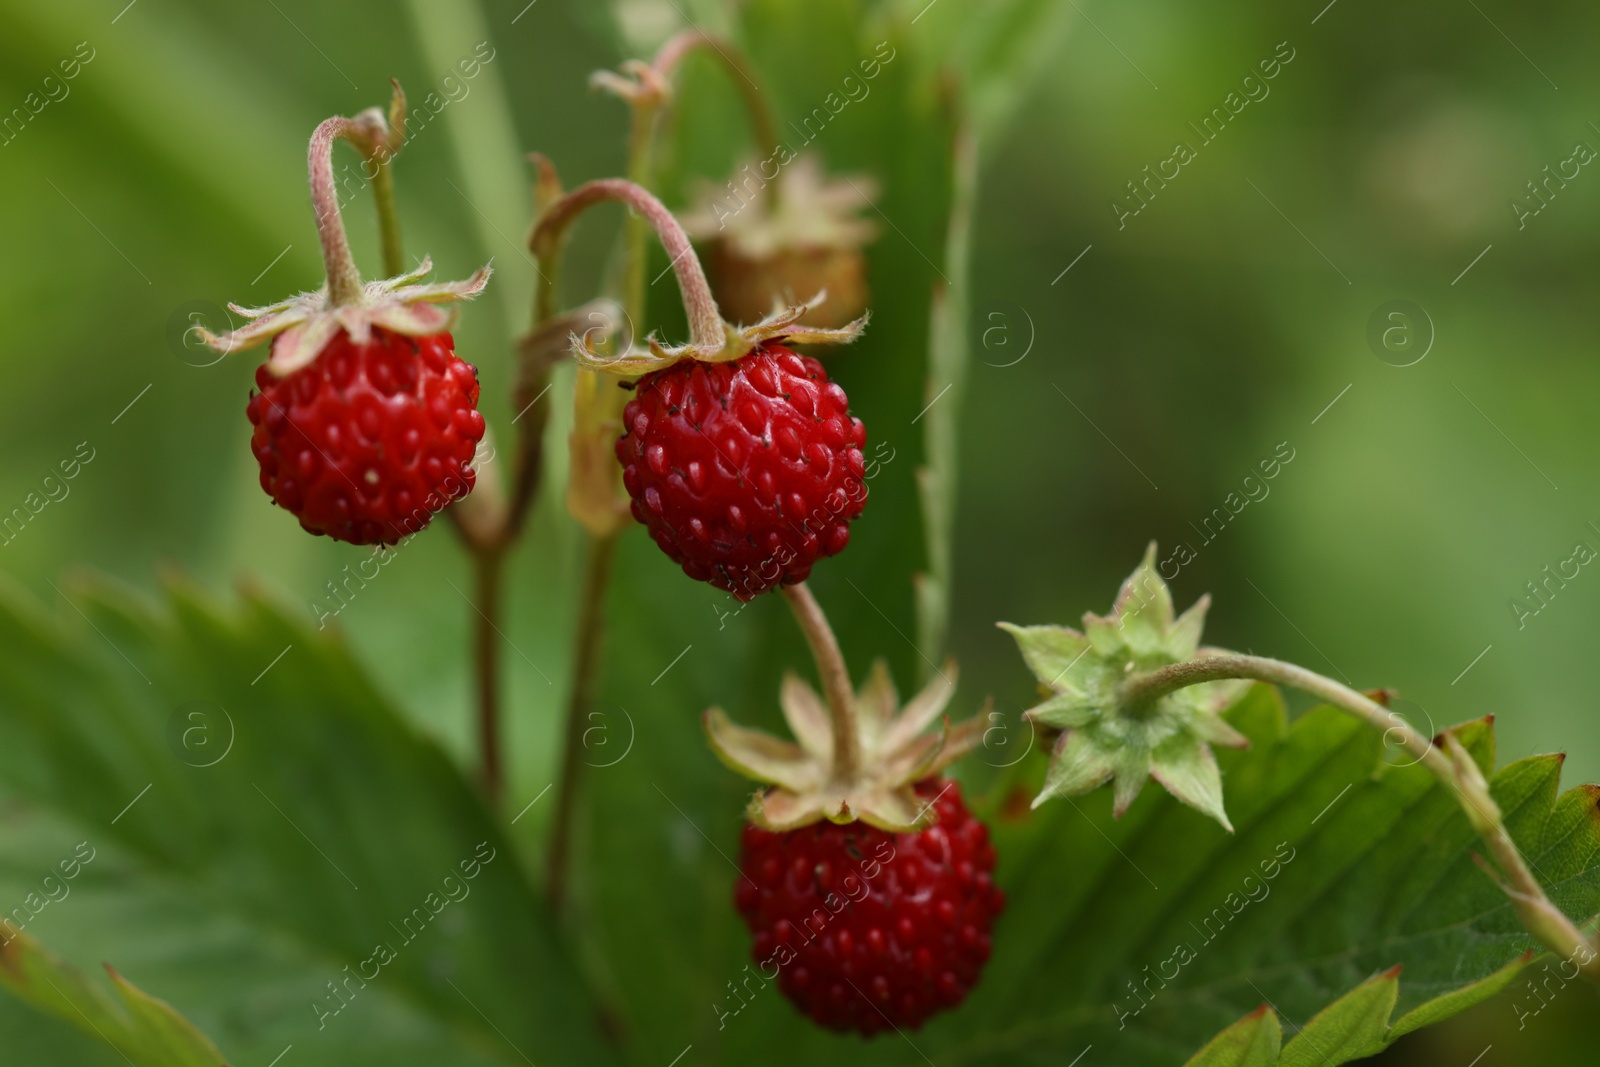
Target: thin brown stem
[1452,765]
[533,418]
[835,679]
[487,565]
[585,669]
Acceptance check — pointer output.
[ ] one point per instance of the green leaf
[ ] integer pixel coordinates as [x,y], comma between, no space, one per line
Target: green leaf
[1049,651]
[1350,1028]
[1251,1042]
[1188,770]
[1354,1026]
[1454,1003]
[241,783]
[147,1031]
[999,56]
[1077,767]
[1149,934]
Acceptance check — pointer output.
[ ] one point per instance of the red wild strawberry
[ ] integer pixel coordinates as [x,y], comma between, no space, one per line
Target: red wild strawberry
[739,455]
[368,441]
[366,421]
[745,472]
[868,930]
[866,883]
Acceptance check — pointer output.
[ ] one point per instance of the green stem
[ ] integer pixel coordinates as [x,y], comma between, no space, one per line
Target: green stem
[1451,765]
[384,136]
[394,260]
[638,232]
[585,669]
[835,680]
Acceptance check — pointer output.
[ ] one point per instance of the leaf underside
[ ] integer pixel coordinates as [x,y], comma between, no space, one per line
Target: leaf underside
[1147,935]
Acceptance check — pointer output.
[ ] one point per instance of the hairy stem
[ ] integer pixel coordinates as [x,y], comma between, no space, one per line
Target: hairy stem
[585,664]
[835,679]
[705,321]
[344,281]
[1451,765]
[762,124]
[487,564]
[377,137]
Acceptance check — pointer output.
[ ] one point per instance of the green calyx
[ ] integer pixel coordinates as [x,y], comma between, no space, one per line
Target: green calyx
[1112,729]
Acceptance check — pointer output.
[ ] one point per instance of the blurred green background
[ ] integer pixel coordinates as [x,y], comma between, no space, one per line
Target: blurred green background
[1126,379]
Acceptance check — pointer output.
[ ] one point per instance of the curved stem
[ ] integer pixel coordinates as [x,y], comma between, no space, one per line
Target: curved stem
[344,281]
[705,321]
[1142,690]
[586,660]
[835,679]
[762,123]
[1452,765]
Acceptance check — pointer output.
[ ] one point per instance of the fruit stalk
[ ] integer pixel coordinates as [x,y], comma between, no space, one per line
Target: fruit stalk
[1450,764]
[835,679]
[344,281]
[705,321]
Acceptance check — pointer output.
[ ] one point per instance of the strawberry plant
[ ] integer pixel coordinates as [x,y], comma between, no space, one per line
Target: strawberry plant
[233,805]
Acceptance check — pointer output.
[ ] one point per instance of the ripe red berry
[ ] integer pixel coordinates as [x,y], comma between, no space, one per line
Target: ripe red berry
[866,929]
[747,472]
[367,441]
